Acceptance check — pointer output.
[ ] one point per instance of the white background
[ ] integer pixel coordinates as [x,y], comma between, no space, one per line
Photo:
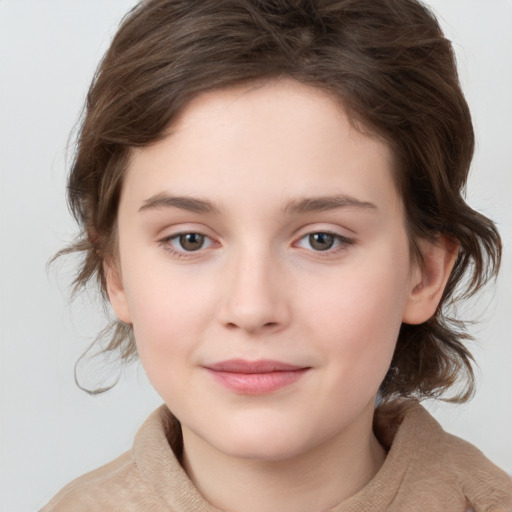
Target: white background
[51,431]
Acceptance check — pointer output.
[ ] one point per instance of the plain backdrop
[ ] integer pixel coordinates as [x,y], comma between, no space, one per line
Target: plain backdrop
[51,431]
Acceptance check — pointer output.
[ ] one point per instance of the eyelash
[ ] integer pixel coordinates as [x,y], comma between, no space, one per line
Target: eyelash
[341,243]
[167,244]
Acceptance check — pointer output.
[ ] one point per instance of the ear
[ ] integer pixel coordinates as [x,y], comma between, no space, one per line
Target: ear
[429,278]
[115,291]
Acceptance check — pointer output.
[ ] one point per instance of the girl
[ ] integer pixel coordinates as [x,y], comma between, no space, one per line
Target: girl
[270,198]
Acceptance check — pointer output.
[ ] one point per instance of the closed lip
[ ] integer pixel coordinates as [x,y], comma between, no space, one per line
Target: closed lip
[260,377]
[259,366]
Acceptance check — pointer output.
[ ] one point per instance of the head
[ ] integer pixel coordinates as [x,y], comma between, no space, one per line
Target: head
[389,67]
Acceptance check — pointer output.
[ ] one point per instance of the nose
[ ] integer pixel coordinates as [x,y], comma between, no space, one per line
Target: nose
[255,294]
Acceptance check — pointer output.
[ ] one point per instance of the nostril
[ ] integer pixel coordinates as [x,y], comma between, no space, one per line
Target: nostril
[232,325]
[252,313]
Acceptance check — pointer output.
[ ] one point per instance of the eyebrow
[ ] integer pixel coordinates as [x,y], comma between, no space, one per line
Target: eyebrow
[325,203]
[295,206]
[183,203]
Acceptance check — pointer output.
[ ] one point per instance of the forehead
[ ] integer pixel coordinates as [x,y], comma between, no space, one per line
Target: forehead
[279,138]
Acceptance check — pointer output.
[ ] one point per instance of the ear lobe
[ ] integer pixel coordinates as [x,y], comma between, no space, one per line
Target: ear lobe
[429,280]
[116,293]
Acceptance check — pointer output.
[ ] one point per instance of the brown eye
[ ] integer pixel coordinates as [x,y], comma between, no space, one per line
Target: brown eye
[191,241]
[321,241]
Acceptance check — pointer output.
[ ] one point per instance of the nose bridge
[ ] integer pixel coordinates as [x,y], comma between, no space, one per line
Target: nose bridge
[255,295]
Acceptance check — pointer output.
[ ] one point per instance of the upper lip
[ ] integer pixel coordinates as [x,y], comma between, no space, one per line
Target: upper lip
[260,366]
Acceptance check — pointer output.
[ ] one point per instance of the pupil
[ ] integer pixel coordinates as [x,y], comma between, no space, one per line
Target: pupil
[321,241]
[191,241]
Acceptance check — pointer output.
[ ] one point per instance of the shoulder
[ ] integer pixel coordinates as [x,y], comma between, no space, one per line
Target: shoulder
[485,485]
[436,467]
[109,488]
[131,482]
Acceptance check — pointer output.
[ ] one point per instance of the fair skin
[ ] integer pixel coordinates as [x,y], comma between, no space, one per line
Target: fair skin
[265,227]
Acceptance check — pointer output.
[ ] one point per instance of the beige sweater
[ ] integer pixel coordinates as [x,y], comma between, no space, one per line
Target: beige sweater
[426,470]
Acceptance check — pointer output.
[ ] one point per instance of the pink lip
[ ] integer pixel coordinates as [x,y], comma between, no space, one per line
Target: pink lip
[255,377]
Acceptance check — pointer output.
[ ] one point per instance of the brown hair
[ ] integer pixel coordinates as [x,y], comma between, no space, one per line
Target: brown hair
[386,60]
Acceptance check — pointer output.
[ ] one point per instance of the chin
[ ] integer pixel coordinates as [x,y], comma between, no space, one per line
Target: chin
[263,449]
[263,441]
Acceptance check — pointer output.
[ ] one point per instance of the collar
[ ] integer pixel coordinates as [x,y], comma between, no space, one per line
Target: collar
[425,466]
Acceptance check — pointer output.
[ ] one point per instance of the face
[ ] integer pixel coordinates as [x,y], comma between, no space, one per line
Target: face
[264,265]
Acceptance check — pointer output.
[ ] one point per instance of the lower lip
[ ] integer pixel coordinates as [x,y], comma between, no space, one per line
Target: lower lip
[257,383]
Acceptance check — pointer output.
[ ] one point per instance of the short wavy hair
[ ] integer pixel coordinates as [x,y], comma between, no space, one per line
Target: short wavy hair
[393,70]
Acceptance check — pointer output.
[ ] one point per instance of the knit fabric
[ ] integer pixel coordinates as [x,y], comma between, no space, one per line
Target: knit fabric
[426,470]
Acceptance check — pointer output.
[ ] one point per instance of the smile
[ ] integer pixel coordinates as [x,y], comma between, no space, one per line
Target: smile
[255,377]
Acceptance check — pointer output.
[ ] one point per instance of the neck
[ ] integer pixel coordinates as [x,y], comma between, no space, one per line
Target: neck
[313,481]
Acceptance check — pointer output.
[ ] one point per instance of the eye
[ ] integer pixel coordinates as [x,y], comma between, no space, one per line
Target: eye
[323,241]
[190,241]
[187,242]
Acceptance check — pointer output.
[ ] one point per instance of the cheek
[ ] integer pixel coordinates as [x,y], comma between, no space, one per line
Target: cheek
[168,315]
[167,333]
[358,316]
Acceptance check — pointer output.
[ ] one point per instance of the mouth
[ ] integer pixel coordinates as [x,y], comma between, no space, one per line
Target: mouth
[255,377]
